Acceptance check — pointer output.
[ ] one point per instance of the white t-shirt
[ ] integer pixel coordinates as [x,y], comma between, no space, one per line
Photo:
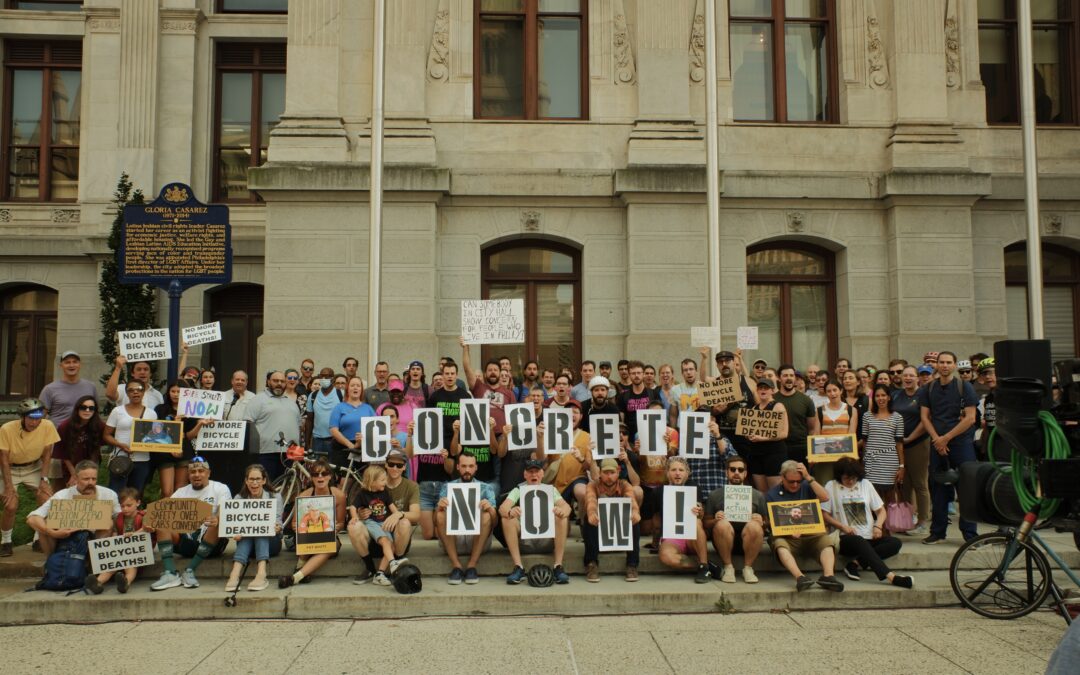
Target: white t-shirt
[213,494]
[103,493]
[855,506]
[120,420]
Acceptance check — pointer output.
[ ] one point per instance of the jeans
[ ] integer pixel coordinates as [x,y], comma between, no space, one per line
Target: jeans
[870,552]
[591,534]
[941,495]
[321,446]
[264,548]
[138,478]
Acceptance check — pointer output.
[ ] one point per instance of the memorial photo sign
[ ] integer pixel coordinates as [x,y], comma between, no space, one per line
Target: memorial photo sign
[463,509]
[558,431]
[157,436]
[316,531]
[493,322]
[111,554]
[616,530]
[798,517]
[475,422]
[821,449]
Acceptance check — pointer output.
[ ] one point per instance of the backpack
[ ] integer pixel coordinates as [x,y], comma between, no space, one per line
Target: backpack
[65,568]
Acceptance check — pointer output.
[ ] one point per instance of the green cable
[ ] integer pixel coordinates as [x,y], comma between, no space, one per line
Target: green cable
[1022,466]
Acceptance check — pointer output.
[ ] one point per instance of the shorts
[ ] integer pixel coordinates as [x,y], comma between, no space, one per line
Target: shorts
[56,469]
[534,546]
[464,544]
[375,530]
[807,546]
[766,463]
[429,494]
[188,545]
[681,545]
[568,493]
[29,475]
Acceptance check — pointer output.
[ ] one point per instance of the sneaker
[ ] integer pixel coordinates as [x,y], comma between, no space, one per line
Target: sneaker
[471,576]
[363,578]
[91,584]
[396,563]
[851,571]
[933,539]
[122,583]
[830,584]
[381,579]
[802,583]
[285,581]
[728,574]
[258,584]
[702,576]
[457,575]
[592,573]
[902,581]
[6,550]
[167,580]
[749,576]
[517,576]
[561,577]
[631,573]
[715,571]
[918,531]
[187,577]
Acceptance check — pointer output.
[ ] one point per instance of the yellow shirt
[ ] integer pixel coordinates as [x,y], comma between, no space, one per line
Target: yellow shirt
[26,446]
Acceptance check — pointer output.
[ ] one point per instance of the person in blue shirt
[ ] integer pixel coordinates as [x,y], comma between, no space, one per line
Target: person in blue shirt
[796,484]
[321,402]
[475,544]
[346,419]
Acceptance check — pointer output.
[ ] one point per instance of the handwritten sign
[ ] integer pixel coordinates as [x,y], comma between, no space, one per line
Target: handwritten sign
[225,436]
[80,514]
[462,509]
[705,336]
[694,435]
[651,430]
[201,334]
[156,436]
[202,403]
[428,431]
[522,420]
[615,529]
[177,514]
[475,423]
[679,519]
[248,518]
[118,553]
[493,322]
[145,345]
[537,515]
[798,517]
[738,503]
[747,337]
[758,422]
[721,391]
[558,431]
[315,528]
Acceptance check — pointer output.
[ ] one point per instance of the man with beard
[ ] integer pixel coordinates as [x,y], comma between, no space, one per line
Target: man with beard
[86,474]
[378,393]
[730,537]
[487,386]
[474,545]
[730,364]
[608,485]
[635,397]
[598,402]
[801,413]
[432,471]
[274,415]
[685,396]
[530,375]
[547,381]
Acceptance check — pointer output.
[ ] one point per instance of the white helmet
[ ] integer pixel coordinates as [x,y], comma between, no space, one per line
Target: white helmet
[599,381]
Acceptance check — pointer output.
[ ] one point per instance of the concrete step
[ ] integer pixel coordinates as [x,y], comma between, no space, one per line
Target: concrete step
[328,598]
[432,561]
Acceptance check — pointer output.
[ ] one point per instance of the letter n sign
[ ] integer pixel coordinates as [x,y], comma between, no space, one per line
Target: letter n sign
[463,510]
[616,529]
[537,518]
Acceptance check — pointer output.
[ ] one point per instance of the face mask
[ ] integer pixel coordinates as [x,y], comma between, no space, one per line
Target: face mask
[325,383]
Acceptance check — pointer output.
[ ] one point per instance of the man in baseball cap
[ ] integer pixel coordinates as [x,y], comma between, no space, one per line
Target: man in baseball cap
[608,485]
[551,506]
[26,446]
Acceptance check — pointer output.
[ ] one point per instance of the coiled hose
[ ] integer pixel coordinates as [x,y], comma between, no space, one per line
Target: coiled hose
[1024,469]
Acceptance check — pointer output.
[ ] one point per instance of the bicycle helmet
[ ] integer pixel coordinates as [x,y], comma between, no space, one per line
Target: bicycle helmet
[986,364]
[31,407]
[407,579]
[541,576]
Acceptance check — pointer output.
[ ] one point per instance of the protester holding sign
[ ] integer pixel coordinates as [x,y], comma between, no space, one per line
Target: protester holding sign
[543,513]
[675,552]
[729,535]
[834,418]
[172,468]
[572,470]
[797,485]
[474,545]
[768,451]
[140,372]
[433,470]
[118,434]
[256,486]
[486,455]
[346,420]
[406,497]
[608,484]
[86,474]
[129,521]
[309,564]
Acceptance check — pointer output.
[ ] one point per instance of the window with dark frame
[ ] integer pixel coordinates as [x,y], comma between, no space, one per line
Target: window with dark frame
[1055,36]
[252,6]
[27,339]
[530,59]
[791,298]
[45,5]
[40,138]
[239,308]
[250,97]
[783,60]
[1061,297]
[547,276]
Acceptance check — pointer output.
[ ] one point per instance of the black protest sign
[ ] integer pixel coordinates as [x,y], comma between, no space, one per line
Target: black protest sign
[537,516]
[605,431]
[615,529]
[427,431]
[462,509]
[558,431]
[522,420]
[375,444]
[475,429]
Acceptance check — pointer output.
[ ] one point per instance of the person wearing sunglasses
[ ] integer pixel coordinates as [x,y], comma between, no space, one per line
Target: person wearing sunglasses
[118,434]
[80,439]
[896,372]
[309,564]
[405,494]
[307,382]
[730,537]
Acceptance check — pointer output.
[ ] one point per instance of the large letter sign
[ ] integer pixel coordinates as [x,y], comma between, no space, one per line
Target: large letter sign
[537,517]
[615,527]
[463,509]
[475,429]
[522,419]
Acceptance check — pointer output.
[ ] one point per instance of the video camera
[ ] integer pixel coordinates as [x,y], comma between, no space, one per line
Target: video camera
[987,491]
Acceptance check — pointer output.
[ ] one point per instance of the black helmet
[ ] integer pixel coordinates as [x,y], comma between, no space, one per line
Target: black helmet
[407,579]
[541,576]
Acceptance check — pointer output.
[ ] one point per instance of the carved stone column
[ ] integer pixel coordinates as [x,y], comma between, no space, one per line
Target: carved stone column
[410,39]
[137,112]
[311,129]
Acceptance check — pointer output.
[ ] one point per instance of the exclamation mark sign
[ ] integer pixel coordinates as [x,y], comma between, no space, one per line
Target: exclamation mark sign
[680,499]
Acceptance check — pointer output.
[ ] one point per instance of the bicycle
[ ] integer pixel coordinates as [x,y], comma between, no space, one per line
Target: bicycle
[296,477]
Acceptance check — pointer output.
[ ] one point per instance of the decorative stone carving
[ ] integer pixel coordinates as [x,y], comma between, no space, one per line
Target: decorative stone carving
[1052,224]
[65,215]
[796,221]
[5,215]
[530,221]
[438,64]
[952,52]
[875,50]
[697,46]
[103,25]
[175,26]
[625,70]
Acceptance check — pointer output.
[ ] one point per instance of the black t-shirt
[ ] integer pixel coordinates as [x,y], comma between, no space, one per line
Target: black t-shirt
[430,467]
[629,403]
[485,462]
[378,502]
[587,409]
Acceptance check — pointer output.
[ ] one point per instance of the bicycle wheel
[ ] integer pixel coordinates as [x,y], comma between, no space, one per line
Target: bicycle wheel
[991,583]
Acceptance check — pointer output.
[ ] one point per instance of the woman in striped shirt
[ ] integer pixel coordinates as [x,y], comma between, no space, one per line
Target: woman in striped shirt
[883,443]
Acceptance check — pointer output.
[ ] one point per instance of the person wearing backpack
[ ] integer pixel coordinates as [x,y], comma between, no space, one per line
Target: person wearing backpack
[947,406]
[320,404]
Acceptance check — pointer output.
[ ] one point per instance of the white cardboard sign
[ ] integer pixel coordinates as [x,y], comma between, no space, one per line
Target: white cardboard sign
[248,518]
[493,322]
[522,419]
[226,436]
[679,518]
[705,336]
[375,434]
[651,429]
[738,503]
[463,509]
[427,431]
[145,345]
[475,422]
[537,515]
[202,403]
[747,337]
[201,334]
[615,529]
[694,435]
[605,431]
[558,431]
[118,553]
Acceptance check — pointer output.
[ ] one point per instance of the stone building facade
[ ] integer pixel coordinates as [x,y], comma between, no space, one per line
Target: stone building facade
[870,173]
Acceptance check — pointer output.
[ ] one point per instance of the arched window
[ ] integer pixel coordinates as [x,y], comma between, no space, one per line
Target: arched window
[27,339]
[791,298]
[547,276]
[239,308]
[1061,284]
